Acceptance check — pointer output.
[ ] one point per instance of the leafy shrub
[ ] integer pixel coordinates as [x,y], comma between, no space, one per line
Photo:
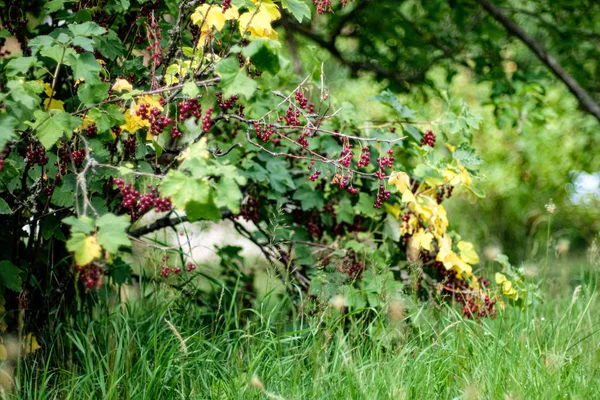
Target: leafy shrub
[123,118]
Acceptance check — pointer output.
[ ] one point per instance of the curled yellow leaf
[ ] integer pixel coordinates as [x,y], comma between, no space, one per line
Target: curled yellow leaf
[121,85]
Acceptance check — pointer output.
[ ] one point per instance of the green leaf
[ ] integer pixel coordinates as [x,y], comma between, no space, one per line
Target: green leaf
[20,65]
[56,53]
[389,99]
[112,232]
[428,174]
[279,175]
[298,8]
[263,55]
[198,211]
[190,90]
[39,42]
[80,225]
[229,194]
[87,29]
[391,227]
[84,42]
[234,80]
[25,93]
[51,127]
[84,67]
[107,116]
[467,157]
[93,94]
[54,5]
[10,276]
[109,45]
[120,271]
[309,197]
[365,205]
[344,211]
[63,195]
[4,207]
[7,125]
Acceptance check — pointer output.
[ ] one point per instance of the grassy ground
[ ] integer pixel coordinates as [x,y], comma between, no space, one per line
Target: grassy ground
[550,351]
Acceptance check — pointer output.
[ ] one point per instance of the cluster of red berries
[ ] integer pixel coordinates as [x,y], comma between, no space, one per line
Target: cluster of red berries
[365,158]
[302,101]
[265,134]
[444,191]
[207,120]
[91,130]
[382,196]
[292,116]
[92,275]
[428,139]
[188,108]
[472,308]
[226,5]
[383,163]
[158,122]
[136,204]
[323,6]
[166,271]
[302,141]
[346,158]
[228,104]
[154,31]
[315,176]
[78,156]
[35,153]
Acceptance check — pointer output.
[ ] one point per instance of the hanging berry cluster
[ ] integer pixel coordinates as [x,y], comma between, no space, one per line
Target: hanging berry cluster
[92,275]
[137,204]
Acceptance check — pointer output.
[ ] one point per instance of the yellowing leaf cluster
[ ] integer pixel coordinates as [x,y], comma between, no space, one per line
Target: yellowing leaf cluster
[257,21]
[427,222]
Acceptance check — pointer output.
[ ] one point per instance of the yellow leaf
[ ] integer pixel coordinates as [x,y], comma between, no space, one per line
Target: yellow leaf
[500,278]
[467,252]
[232,13]
[408,196]
[79,82]
[208,16]
[450,147]
[395,210]
[444,249]
[258,24]
[48,89]
[269,7]
[89,251]
[422,240]
[401,180]
[449,175]
[122,85]
[3,352]
[31,344]
[465,176]
[54,104]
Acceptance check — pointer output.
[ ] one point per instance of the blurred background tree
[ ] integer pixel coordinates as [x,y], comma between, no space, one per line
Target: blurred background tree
[531,69]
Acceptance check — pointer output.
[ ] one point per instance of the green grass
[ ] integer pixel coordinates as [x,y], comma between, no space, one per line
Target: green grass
[550,351]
